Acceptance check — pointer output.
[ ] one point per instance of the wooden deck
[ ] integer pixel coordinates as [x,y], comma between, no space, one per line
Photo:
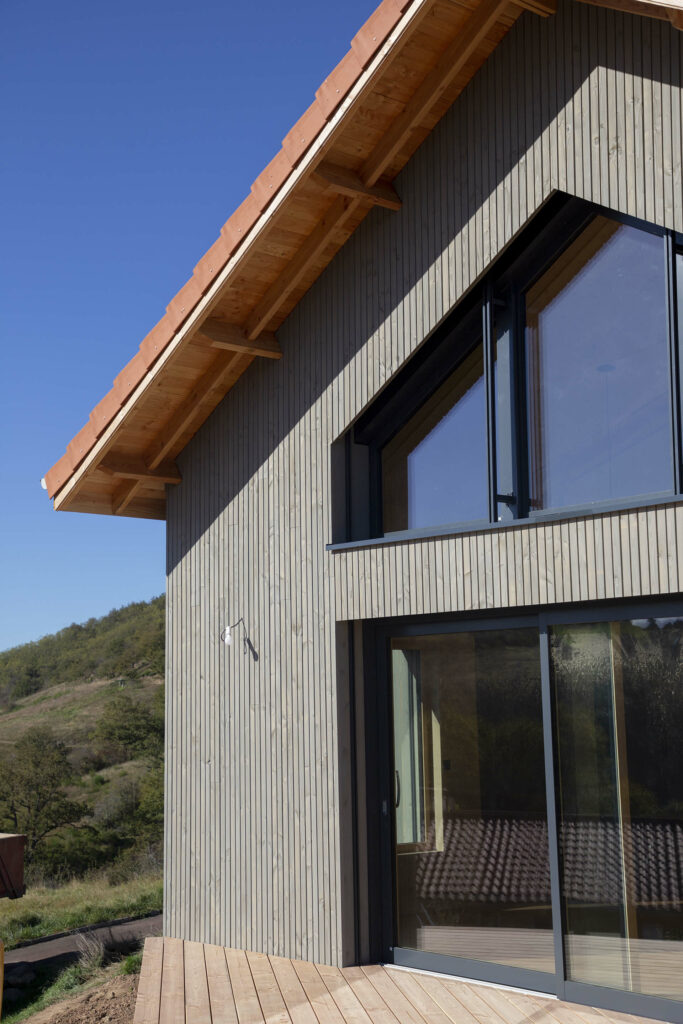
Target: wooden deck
[190,983]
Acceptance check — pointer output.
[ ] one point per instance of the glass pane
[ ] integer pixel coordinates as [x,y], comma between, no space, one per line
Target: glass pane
[473,880]
[598,370]
[434,471]
[619,699]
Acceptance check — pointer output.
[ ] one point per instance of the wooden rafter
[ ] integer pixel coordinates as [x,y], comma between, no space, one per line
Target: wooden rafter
[266,309]
[124,495]
[232,338]
[211,382]
[348,183]
[451,63]
[135,469]
[480,22]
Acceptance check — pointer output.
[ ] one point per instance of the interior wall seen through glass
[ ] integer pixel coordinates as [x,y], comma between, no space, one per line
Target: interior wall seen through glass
[598,370]
[434,470]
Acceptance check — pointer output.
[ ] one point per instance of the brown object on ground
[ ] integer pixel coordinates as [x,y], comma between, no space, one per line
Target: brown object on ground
[110,1003]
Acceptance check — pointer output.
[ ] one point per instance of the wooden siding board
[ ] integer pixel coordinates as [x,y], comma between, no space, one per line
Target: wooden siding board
[588,101]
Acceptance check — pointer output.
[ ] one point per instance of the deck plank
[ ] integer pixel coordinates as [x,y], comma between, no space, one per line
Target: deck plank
[296,1001]
[267,989]
[172,1003]
[347,1001]
[243,989]
[419,997]
[197,1007]
[323,1004]
[149,986]
[449,1003]
[223,1010]
[392,995]
[191,983]
[369,997]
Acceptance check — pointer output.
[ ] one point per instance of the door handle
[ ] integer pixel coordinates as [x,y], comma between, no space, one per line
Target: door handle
[398,787]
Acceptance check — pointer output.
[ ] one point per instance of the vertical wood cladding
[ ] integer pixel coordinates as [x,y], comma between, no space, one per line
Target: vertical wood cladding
[588,102]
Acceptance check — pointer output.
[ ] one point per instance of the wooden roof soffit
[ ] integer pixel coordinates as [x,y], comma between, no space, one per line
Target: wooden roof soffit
[142,460]
[359,188]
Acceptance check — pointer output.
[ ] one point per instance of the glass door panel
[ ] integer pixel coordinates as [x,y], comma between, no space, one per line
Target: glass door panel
[471,851]
[619,720]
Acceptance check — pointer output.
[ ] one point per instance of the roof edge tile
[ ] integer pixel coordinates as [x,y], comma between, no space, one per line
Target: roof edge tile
[338,83]
[372,34]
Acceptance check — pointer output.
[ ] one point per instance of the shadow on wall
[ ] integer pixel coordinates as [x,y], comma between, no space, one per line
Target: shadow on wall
[441,241]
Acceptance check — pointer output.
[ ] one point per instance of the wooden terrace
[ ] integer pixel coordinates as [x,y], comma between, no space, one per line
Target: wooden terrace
[191,983]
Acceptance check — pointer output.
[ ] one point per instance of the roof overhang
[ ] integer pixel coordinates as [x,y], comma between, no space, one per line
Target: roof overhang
[405,68]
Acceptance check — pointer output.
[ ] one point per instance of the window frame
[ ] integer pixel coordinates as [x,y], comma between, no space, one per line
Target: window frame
[493,313]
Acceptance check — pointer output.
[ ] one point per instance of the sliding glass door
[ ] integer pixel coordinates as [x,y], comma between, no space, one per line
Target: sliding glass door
[471,833]
[537,790]
[619,720]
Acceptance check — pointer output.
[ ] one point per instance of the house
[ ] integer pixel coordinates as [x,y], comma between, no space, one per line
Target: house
[414,424]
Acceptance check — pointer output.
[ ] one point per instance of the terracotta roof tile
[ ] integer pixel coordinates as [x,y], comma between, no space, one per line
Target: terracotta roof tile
[81,444]
[505,860]
[104,413]
[299,138]
[58,474]
[183,302]
[129,378]
[212,263]
[241,222]
[338,83]
[370,37]
[156,341]
[271,178]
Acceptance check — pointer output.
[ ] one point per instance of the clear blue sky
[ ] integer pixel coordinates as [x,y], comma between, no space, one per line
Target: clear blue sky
[130,132]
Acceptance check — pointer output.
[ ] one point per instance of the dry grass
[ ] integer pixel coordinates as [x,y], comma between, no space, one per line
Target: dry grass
[70,709]
[44,911]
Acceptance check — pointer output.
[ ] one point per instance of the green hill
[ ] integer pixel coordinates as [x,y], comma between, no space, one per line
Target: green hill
[128,643]
[93,691]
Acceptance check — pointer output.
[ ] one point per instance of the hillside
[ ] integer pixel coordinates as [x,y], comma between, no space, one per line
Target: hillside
[127,643]
[90,698]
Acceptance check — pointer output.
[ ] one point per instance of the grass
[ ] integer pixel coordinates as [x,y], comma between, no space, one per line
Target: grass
[88,972]
[44,911]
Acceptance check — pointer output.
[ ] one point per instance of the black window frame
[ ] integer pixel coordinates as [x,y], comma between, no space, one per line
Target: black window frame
[493,312]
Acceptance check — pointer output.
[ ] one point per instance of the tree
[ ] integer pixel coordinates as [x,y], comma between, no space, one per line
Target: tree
[130,728]
[33,800]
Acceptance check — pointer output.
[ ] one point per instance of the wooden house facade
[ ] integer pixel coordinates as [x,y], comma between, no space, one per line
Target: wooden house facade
[423,490]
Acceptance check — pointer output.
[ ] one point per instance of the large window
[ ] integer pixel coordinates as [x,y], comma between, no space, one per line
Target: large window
[555,386]
[597,358]
[434,468]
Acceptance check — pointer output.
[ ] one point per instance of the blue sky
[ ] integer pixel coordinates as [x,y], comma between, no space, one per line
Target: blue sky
[130,133]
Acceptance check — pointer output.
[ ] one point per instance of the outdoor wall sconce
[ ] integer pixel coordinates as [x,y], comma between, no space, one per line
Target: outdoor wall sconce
[247,646]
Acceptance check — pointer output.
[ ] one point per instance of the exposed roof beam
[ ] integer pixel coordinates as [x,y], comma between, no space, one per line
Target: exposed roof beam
[316,242]
[451,63]
[124,495]
[542,7]
[228,336]
[672,11]
[479,23]
[136,469]
[348,183]
[215,380]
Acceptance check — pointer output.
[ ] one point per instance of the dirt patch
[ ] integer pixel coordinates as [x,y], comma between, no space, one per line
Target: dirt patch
[111,1003]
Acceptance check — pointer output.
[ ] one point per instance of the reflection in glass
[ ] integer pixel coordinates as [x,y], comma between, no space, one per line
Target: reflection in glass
[471,835]
[598,370]
[434,470]
[619,706]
